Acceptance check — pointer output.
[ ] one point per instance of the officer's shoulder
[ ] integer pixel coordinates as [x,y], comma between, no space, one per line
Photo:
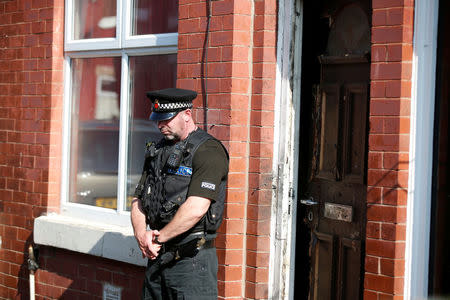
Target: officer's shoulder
[211,149]
[210,144]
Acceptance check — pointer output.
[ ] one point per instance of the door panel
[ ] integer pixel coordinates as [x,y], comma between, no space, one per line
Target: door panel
[329,98]
[322,260]
[355,102]
[349,261]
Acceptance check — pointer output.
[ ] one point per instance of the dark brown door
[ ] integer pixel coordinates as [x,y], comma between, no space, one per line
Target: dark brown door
[337,191]
[333,150]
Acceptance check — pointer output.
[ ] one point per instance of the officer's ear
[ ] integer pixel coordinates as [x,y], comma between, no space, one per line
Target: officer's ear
[187,115]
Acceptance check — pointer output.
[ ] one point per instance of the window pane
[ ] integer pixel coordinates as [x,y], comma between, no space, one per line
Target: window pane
[95,131]
[151,17]
[146,73]
[94,19]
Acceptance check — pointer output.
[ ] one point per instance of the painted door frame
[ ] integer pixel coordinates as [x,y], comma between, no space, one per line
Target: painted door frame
[285,154]
[421,149]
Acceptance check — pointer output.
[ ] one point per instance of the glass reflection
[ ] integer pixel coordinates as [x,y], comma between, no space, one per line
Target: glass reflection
[152,17]
[94,19]
[146,73]
[95,131]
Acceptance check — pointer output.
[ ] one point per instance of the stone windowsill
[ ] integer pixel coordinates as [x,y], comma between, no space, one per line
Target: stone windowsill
[103,240]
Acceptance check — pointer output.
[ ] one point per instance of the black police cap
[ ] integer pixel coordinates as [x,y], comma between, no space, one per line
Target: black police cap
[168,102]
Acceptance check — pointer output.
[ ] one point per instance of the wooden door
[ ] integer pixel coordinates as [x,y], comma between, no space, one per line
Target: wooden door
[333,150]
[336,197]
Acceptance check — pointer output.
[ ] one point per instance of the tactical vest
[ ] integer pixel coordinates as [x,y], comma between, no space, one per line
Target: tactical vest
[168,176]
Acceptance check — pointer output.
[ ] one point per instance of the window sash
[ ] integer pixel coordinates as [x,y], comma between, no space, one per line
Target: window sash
[81,210]
[123,38]
[124,46]
[70,44]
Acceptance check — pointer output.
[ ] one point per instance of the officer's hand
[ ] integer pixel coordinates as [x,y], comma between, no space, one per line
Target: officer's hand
[155,246]
[147,245]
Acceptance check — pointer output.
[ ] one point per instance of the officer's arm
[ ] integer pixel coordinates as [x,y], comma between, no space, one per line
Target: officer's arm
[144,238]
[138,218]
[189,213]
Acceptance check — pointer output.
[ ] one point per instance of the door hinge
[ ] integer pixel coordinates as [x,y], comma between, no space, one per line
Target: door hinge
[291,192]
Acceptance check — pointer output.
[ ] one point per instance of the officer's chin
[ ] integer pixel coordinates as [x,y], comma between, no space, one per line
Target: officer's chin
[171,138]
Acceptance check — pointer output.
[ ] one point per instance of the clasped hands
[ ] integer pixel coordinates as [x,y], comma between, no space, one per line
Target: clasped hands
[148,244]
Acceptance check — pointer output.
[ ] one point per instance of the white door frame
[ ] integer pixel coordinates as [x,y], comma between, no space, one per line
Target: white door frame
[285,152]
[421,149]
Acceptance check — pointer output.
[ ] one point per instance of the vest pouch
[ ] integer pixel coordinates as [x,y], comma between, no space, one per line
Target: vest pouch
[169,208]
[174,196]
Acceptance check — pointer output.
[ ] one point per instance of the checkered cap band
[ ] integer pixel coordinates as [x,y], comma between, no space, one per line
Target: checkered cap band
[173,106]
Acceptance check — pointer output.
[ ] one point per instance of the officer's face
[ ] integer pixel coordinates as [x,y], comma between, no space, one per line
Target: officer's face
[173,129]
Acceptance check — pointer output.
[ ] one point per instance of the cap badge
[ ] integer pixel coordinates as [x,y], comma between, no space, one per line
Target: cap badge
[156,104]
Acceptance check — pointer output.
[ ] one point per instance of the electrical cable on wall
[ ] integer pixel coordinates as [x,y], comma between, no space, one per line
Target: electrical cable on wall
[205,66]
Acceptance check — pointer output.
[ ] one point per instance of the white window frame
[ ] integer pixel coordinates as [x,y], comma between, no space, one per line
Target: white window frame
[123,45]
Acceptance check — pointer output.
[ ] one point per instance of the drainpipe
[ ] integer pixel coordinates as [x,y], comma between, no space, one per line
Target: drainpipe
[32,267]
[205,65]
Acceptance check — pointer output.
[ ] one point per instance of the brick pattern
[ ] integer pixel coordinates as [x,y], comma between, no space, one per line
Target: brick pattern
[31,44]
[241,87]
[69,275]
[392,37]
[261,137]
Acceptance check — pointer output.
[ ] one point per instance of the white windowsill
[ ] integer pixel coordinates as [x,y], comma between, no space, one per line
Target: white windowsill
[99,239]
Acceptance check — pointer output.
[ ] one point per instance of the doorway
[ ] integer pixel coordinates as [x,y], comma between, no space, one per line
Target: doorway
[333,150]
[439,269]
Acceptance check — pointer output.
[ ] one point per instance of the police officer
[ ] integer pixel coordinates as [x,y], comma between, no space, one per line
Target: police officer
[178,203]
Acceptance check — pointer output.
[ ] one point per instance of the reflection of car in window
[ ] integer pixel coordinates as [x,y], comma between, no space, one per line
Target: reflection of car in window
[98,159]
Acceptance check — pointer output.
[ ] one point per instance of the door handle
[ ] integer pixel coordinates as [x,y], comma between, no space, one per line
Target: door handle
[309,202]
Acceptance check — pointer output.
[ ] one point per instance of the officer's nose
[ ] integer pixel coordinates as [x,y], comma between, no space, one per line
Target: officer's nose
[162,123]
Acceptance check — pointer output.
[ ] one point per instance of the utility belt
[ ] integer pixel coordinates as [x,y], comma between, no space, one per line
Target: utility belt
[174,252]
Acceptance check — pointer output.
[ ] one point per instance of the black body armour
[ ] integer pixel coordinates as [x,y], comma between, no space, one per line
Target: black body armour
[169,172]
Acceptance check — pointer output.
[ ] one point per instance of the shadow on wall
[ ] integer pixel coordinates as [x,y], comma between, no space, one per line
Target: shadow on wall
[389,185]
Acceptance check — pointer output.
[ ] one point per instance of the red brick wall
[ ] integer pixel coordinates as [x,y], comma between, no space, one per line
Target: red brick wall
[392,37]
[241,89]
[70,275]
[261,148]
[31,45]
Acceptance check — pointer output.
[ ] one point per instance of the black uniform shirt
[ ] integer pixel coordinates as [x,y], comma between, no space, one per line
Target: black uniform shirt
[209,168]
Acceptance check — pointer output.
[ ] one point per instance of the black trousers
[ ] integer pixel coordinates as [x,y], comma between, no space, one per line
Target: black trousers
[188,278]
